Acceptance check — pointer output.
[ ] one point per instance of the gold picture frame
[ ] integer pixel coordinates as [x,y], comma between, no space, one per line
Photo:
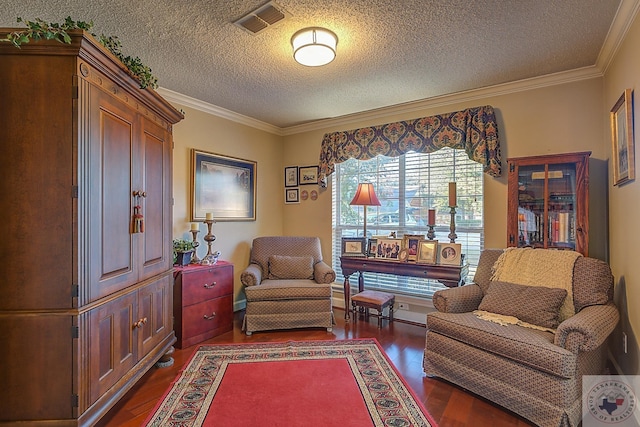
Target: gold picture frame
[427,252]
[624,164]
[410,242]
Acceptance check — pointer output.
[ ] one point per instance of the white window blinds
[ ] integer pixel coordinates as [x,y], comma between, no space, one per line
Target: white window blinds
[407,187]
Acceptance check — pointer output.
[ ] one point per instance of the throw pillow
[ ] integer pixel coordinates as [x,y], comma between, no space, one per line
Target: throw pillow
[290,267]
[537,305]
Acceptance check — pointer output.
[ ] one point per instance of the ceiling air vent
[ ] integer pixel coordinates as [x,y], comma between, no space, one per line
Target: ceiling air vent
[262,18]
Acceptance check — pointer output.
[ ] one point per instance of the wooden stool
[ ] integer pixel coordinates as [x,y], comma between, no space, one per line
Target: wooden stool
[373,299]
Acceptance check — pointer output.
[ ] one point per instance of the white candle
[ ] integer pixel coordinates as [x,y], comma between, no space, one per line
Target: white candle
[209,216]
[452,194]
[194,225]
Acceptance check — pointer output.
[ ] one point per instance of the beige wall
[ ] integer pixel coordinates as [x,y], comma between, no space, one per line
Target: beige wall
[624,203]
[217,135]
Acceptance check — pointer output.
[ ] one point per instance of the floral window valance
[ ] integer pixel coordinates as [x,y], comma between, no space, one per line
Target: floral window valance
[473,130]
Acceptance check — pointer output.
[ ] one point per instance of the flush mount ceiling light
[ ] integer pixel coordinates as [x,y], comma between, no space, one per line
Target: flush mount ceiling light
[314,46]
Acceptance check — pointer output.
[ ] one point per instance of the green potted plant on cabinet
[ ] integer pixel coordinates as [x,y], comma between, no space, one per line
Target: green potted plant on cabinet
[182,251]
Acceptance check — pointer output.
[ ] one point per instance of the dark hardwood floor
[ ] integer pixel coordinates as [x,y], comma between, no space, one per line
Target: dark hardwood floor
[403,342]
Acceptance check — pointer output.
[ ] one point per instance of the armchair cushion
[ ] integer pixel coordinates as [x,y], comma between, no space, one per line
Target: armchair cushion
[252,275]
[458,300]
[290,267]
[537,305]
[323,273]
[588,329]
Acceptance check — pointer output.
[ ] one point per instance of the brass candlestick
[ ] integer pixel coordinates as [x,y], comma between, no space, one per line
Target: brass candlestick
[194,257]
[210,258]
[452,235]
[431,235]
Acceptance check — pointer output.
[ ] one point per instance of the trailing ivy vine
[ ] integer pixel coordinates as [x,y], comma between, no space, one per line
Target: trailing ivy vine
[39,29]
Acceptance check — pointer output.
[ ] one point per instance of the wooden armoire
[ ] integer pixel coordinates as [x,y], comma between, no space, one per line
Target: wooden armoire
[85,297]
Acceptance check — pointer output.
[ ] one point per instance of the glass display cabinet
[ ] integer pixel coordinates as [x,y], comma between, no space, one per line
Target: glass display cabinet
[548,201]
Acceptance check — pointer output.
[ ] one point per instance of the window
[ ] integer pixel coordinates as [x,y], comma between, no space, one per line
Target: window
[407,187]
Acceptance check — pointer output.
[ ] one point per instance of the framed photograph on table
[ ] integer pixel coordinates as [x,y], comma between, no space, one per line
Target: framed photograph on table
[224,186]
[450,253]
[410,243]
[308,175]
[291,176]
[372,247]
[354,246]
[427,251]
[624,163]
[389,248]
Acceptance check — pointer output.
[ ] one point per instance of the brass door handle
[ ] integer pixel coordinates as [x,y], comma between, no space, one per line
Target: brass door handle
[210,317]
[140,323]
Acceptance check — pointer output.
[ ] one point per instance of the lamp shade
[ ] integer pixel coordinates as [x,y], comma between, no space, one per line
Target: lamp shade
[314,46]
[365,196]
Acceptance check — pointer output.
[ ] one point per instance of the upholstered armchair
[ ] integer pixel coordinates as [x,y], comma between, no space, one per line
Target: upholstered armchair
[516,344]
[287,285]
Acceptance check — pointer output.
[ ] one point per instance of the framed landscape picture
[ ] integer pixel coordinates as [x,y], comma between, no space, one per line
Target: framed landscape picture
[624,164]
[224,186]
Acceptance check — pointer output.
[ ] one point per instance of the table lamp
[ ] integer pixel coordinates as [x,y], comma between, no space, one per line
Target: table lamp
[365,196]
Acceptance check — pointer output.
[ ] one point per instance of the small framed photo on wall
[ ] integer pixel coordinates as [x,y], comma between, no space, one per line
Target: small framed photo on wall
[292,195]
[450,253]
[291,176]
[308,175]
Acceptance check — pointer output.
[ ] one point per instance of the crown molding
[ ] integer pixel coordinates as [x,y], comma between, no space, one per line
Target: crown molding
[187,101]
[625,16]
[554,79]
[563,77]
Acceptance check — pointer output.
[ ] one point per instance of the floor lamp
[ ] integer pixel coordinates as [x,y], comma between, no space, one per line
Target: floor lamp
[365,196]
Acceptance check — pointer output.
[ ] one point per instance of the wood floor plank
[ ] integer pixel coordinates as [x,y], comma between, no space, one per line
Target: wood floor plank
[403,342]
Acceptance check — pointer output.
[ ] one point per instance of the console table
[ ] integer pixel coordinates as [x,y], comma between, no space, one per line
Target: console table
[448,275]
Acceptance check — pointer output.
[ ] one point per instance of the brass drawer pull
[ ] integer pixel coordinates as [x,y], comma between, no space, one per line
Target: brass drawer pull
[211,286]
[210,317]
[140,323]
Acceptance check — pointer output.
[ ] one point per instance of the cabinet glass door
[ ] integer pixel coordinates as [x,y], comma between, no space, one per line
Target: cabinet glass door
[546,205]
[561,214]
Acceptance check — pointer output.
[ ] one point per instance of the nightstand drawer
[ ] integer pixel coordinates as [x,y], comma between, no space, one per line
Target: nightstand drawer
[208,318]
[205,284]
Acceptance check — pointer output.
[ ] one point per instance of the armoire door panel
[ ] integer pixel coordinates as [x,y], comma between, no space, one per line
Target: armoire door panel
[113,351]
[111,173]
[156,179]
[155,305]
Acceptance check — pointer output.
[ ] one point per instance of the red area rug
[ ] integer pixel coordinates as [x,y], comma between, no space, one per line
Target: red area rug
[298,383]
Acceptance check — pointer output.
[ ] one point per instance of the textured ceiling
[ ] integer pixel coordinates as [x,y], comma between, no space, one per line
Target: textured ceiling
[389,52]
